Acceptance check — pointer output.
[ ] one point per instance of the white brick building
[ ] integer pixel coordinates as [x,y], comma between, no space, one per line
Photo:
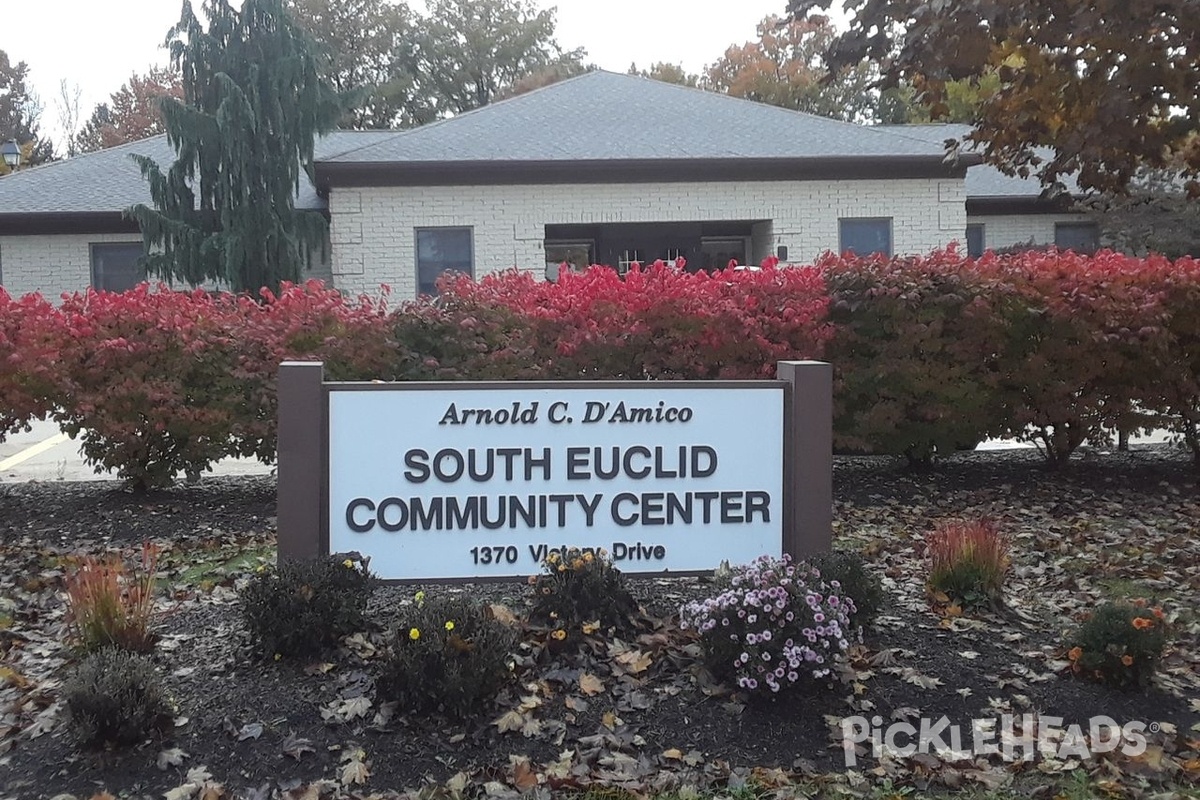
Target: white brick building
[603,168]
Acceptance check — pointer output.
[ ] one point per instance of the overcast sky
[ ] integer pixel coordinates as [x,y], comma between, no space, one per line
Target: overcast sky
[97,45]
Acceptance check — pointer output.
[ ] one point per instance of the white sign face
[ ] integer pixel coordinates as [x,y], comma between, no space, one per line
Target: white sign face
[472,482]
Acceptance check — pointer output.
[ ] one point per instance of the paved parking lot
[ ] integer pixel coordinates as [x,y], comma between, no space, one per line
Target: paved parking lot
[46,454]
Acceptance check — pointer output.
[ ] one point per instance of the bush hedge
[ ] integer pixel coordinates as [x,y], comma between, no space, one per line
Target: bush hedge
[931,353]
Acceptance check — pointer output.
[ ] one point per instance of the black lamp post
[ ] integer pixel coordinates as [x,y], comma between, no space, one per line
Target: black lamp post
[11,151]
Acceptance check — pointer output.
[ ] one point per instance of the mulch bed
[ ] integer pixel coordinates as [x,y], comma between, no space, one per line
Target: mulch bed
[1113,524]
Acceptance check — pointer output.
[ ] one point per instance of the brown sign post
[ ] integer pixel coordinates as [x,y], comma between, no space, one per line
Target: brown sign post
[304,450]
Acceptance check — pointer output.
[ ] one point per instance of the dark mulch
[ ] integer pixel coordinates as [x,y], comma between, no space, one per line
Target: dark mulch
[913,663]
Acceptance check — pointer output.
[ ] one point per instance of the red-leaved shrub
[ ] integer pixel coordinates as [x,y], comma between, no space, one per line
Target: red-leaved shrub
[30,378]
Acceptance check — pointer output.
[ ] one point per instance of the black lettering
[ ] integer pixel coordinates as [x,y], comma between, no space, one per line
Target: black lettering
[501,517]
[589,509]
[707,498]
[685,414]
[418,469]
[426,518]
[354,505]
[652,508]
[458,469]
[451,416]
[660,552]
[464,516]
[561,501]
[528,513]
[625,522]
[731,504]
[543,462]
[381,514]
[594,411]
[708,468]
[759,502]
[477,475]
[577,464]
[679,508]
[557,412]
[644,452]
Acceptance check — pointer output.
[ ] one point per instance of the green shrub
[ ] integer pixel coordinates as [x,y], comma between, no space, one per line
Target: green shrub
[968,562]
[115,698]
[1120,645]
[848,575]
[582,587]
[448,655]
[300,607]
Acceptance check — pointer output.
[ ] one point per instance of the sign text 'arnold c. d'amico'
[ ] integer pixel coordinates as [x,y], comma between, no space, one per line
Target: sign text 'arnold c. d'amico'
[484,482]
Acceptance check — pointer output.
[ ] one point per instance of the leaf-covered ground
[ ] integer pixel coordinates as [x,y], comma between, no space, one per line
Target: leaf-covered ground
[626,718]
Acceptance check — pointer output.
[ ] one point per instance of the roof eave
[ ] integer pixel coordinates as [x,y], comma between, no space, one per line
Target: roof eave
[43,223]
[466,173]
[1018,204]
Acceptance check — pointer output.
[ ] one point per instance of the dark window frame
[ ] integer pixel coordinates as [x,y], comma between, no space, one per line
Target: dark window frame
[982,228]
[891,238]
[470,270]
[1079,225]
[95,272]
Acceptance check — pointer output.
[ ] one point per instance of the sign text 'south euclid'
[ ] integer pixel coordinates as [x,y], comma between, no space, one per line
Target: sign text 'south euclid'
[483,482]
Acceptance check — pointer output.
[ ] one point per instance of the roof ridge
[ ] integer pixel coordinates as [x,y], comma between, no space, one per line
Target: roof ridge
[82,156]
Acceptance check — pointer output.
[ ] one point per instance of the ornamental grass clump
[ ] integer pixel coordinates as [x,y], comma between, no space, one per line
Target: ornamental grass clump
[581,589]
[968,563]
[1120,644]
[115,698]
[109,605]
[777,625]
[448,655]
[298,608]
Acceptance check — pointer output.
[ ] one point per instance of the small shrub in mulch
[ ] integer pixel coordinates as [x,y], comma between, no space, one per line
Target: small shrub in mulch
[109,605]
[301,607]
[447,655]
[115,698]
[777,624]
[582,592]
[1120,644]
[968,563]
[847,574]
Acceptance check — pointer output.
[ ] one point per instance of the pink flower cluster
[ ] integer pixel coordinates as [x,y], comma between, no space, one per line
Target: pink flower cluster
[776,624]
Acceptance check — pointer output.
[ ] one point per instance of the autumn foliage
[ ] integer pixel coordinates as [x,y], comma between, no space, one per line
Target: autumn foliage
[931,353]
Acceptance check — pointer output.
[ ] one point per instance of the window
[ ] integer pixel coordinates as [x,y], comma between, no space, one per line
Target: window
[1082,237]
[975,239]
[718,251]
[865,236]
[115,266]
[440,250]
[577,255]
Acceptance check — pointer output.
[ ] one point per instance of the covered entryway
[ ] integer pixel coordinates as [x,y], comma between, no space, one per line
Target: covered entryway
[703,245]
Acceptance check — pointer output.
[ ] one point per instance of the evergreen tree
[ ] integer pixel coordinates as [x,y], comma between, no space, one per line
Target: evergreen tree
[253,103]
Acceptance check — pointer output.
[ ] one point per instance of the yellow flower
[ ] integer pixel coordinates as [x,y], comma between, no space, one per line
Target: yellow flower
[347,563]
[261,568]
[562,567]
[577,564]
[591,627]
[588,557]
[277,656]
[414,634]
[450,625]
[559,634]
[419,597]
[553,557]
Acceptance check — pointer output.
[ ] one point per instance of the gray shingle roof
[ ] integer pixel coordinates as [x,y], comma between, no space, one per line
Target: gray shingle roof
[605,116]
[110,181]
[983,180]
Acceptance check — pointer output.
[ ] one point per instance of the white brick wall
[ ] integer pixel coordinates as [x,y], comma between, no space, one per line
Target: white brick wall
[374,242]
[51,264]
[57,264]
[1006,230]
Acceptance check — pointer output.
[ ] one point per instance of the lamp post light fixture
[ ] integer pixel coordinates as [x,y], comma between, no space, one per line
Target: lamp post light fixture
[11,151]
